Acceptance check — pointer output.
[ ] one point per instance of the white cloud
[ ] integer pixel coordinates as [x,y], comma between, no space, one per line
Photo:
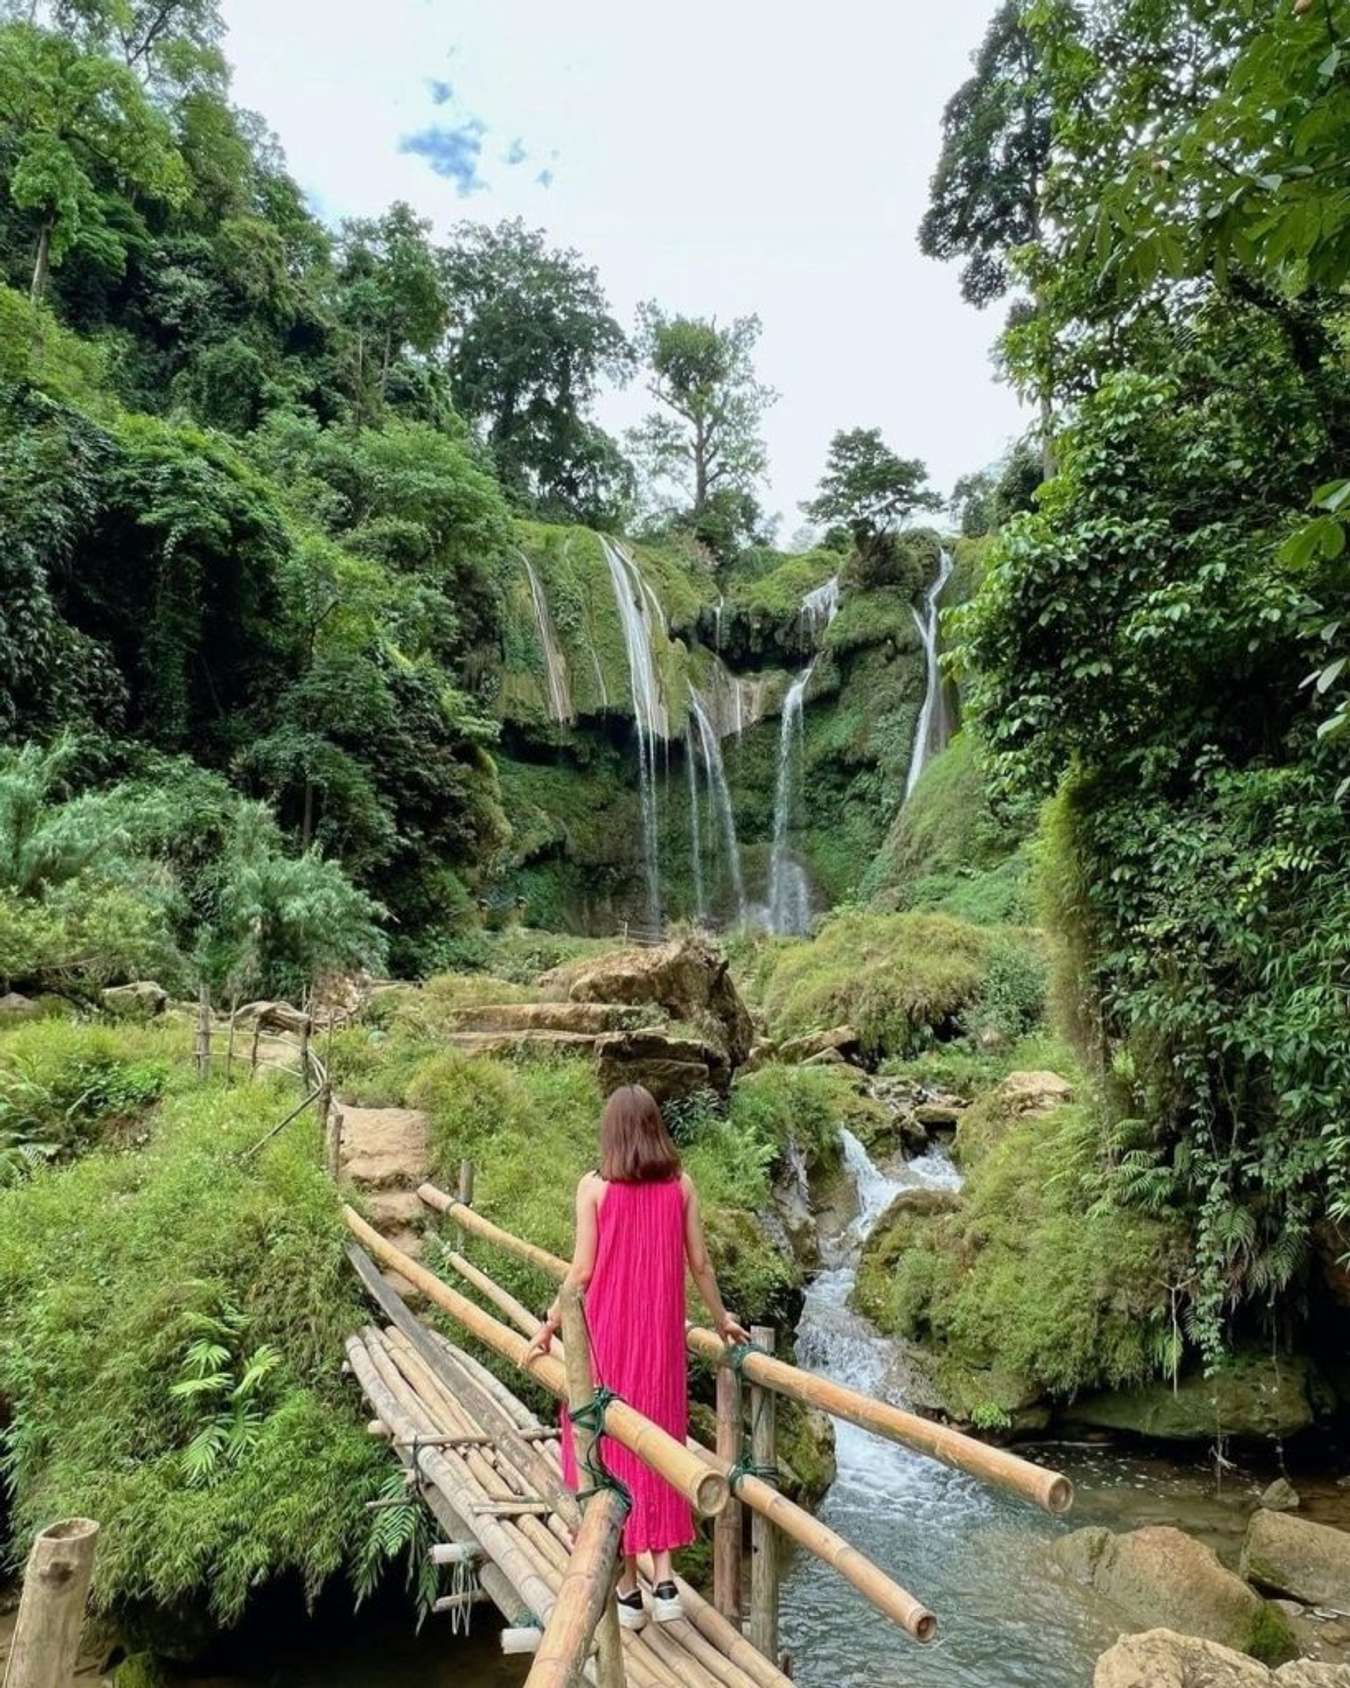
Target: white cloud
[722,159]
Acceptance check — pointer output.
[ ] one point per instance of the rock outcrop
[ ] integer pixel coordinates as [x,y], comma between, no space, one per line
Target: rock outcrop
[1160,1658]
[688,979]
[585,1018]
[1160,1575]
[141,1001]
[842,1041]
[1253,1397]
[15,1007]
[668,1065]
[893,1234]
[1294,1556]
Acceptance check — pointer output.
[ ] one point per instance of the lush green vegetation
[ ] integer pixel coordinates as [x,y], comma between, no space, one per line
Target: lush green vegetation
[1141,643]
[173,1312]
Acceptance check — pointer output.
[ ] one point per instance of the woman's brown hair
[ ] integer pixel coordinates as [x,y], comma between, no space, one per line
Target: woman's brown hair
[635,1147]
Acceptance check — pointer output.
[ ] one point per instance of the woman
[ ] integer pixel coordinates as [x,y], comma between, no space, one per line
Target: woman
[637,1225]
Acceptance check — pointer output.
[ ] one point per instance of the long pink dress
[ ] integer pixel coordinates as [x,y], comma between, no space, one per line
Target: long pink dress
[635,1309]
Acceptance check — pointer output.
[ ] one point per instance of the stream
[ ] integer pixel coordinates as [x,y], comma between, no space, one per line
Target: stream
[1007,1617]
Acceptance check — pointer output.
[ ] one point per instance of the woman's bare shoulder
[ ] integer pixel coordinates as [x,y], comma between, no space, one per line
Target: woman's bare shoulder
[687,1185]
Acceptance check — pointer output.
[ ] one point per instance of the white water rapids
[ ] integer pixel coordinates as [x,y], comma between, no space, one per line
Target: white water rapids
[934,726]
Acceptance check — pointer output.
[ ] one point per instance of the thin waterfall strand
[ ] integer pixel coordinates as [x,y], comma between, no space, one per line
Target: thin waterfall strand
[559,697]
[649,717]
[721,795]
[695,828]
[934,727]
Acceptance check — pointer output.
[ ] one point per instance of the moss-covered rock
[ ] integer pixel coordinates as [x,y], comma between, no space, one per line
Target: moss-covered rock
[1253,1396]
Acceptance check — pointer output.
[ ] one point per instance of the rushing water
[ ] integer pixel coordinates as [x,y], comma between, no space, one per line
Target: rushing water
[974,1557]
[789,902]
[635,603]
[934,725]
[721,797]
[559,696]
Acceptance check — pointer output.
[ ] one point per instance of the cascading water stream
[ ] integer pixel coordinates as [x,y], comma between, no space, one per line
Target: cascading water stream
[974,1555]
[789,901]
[721,795]
[634,600]
[695,827]
[559,696]
[934,725]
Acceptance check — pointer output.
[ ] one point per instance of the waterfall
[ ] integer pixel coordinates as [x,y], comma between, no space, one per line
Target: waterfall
[634,601]
[695,829]
[789,908]
[559,697]
[721,795]
[717,620]
[934,725]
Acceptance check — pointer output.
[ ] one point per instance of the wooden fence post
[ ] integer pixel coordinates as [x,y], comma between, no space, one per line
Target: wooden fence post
[331,1115]
[203,1031]
[763,1538]
[727,1525]
[466,1182]
[51,1609]
[591,1608]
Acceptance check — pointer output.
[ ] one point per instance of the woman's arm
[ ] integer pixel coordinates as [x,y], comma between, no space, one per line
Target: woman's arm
[583,1263]
[696,1252]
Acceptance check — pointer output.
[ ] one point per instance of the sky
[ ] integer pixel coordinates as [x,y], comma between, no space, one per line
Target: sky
[722,158]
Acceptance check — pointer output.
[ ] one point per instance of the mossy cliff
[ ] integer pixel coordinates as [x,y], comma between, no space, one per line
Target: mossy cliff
[567,756]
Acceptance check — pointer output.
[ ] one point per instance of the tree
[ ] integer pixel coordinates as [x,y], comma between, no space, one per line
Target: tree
[391,299]
[531,336]
[708,438]
[77,129]
[869,489]
[173,45]
[985,195]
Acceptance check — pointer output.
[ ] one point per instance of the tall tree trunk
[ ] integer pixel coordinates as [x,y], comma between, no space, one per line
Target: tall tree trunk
[307,824]
[700,468]
[42,262]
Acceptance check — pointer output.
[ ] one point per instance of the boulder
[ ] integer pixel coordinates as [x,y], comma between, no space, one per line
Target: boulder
[1252,1397]
[1295,1556]
[587,1018]
[843,1041]
[889,1238]
[1160,1658]
[274,1017]
[939,1116]
[529,1043]
[1281,1496]
[688,979]
[15,1007]
[984,1123]
[141,1001]
[1309,1673]
[671,1067]
[1160,1575]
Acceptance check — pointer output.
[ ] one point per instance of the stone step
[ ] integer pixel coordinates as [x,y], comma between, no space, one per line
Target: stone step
[522,1043]
[385,1148]
[396,1210]
[587,1018]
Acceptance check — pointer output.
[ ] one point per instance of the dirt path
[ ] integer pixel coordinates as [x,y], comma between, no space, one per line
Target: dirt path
[386,1152]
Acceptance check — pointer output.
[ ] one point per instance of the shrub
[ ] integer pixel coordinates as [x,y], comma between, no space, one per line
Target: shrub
[107,1271]
[903,980]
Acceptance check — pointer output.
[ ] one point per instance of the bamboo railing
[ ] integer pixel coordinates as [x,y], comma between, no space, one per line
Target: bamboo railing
[1047,1489]
[771,1505]
[704,1489]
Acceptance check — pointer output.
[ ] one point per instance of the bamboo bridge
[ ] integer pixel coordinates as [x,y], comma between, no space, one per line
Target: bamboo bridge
[489,1471]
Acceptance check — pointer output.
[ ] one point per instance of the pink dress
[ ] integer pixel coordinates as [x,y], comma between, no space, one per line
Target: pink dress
[635,1309]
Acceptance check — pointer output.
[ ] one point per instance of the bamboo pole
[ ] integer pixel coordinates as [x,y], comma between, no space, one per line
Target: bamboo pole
[495,1408]
[466,1182]
[727,1529]
[705,1490]
[331,1115]
[763,1540]
[1048,1489]
[875,1586]
[51,1609]
[585,1605]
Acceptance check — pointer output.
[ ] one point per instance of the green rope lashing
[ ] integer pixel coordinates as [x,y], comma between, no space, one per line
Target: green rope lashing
[748,1466]
[592,1417]
[737,1353]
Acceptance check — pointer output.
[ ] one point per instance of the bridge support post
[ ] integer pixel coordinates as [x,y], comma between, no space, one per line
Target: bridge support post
[763,1536]
[587,1607]
[727,1526]
[466,1182]
[51,1608]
